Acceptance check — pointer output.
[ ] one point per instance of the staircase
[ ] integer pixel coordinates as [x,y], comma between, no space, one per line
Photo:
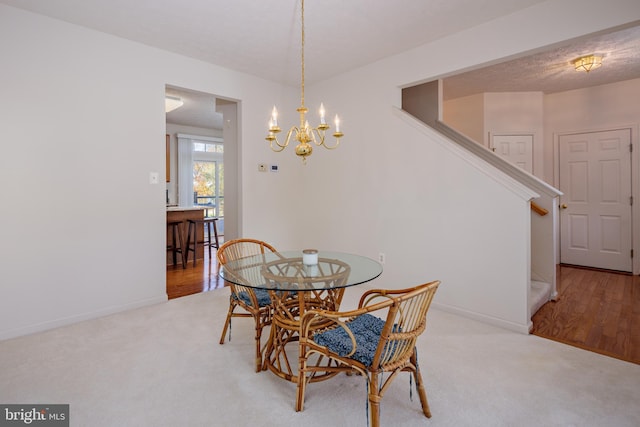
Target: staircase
[539,294]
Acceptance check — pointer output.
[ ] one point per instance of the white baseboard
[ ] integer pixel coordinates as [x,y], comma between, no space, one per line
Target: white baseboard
[501,323]
[44,326]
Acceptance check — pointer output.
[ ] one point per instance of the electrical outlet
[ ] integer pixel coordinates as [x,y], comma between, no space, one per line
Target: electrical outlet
[381,257]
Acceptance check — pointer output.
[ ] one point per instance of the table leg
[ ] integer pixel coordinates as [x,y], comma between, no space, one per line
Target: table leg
[285,331]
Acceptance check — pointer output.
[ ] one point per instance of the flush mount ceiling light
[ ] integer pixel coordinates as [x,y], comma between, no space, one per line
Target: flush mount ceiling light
[171,103]
[587,63]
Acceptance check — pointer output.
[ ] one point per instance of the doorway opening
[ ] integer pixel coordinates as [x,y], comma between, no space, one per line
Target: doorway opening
[202,144]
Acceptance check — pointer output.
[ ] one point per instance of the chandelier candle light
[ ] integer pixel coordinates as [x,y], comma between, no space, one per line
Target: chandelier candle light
[304,133]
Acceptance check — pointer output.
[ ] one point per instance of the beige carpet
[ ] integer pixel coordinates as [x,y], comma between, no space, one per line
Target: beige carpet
[163,366]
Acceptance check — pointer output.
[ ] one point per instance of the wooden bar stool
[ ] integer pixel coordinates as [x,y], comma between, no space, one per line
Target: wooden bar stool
[192,237]
[177,245]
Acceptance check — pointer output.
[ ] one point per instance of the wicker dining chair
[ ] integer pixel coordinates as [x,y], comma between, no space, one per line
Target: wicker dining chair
[358,341]
[255,302]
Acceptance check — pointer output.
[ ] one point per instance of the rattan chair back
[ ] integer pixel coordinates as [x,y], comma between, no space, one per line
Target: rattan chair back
[255,305]
[405,314]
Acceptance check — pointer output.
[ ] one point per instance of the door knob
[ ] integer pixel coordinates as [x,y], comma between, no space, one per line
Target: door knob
[564,206]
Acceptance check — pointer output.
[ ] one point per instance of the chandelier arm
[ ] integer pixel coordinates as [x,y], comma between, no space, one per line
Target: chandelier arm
[288,139]
[278,146]
[332,147]
[323,142]
[291,131]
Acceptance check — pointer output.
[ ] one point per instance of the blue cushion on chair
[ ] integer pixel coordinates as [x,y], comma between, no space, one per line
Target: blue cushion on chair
[262,296]
[366,330]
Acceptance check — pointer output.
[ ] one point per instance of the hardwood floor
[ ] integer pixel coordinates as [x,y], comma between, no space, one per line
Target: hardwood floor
[597,311]
[192,280]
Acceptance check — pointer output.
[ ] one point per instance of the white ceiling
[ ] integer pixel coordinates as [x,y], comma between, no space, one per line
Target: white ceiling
[262,38]
[198,110]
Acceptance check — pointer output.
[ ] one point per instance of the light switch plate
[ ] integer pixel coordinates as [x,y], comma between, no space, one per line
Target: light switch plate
[154,177]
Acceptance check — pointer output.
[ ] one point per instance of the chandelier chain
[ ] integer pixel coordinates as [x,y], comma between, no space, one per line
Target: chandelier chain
[302,54]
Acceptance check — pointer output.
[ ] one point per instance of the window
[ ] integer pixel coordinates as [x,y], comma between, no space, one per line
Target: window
[206,147]
[208,177]
[202,175]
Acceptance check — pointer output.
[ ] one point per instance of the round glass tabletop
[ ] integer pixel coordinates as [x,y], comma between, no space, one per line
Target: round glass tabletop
[286,271]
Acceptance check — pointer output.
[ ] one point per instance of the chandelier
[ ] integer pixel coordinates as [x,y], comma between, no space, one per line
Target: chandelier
[304,133]
[587,63]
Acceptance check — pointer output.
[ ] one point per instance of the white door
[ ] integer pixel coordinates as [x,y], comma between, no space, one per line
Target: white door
[517,149]
[595,214]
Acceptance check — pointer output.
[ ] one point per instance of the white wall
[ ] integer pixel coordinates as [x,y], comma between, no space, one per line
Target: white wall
[86,125]
[82,228]
[585,110]
[481,115]
[391,190]
[517,113]
[231,226]
[404,192]
[466,115]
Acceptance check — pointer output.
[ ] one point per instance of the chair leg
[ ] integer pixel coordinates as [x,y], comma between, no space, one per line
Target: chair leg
[374,400]
[188,247]
[420,386]
[268,348]
[302,376]
[182,248]
[209,238]
[227,322]
[215,233]
[258,346]
[195,242]
[192,226]
[173,244]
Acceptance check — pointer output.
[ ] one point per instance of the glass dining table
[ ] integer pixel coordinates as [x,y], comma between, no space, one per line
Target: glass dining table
[295,287]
